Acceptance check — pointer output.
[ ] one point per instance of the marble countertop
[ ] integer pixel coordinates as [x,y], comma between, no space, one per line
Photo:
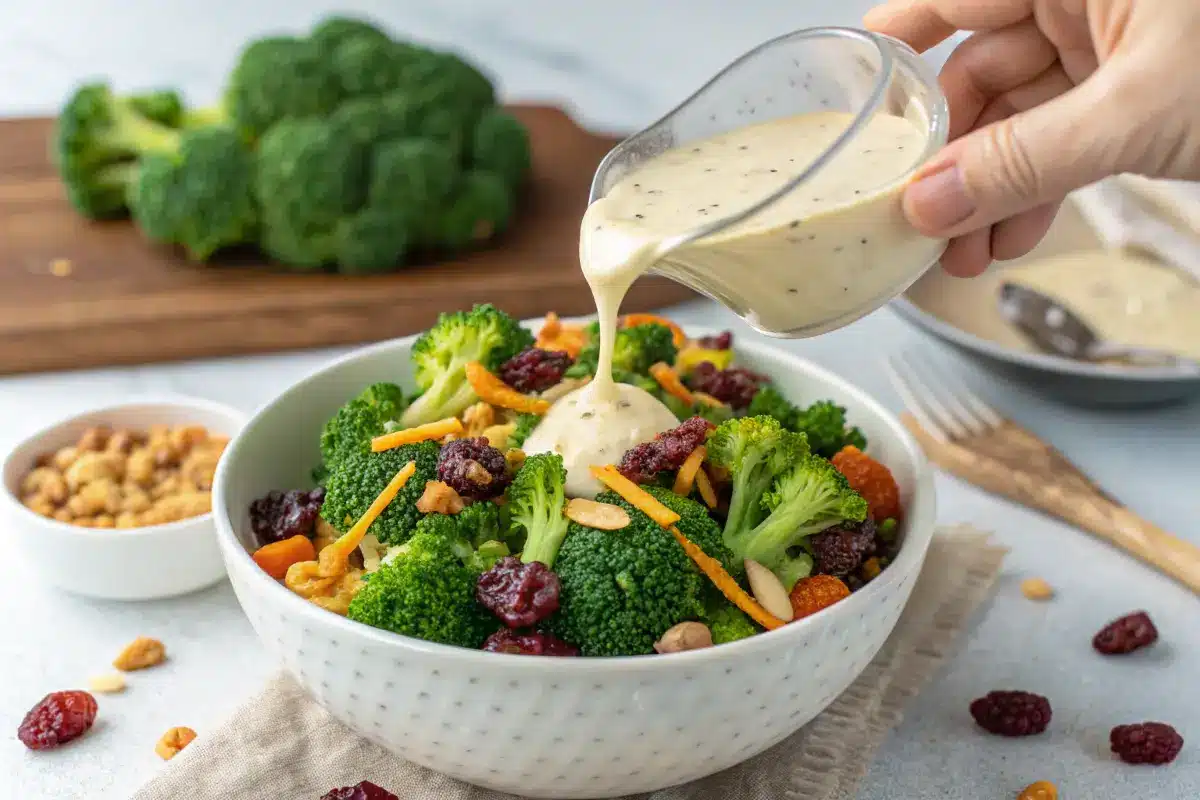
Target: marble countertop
[617,64]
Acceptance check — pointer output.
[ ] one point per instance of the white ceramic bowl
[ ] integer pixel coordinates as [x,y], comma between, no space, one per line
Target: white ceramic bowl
[552,727]
[130,564]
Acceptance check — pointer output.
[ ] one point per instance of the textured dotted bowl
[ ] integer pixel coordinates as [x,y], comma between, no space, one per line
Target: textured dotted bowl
[549,727]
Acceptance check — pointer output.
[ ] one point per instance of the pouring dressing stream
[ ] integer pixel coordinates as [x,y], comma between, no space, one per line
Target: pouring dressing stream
[816,236]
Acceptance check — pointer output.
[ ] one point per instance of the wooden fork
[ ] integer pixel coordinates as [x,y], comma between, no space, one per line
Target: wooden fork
[966,437]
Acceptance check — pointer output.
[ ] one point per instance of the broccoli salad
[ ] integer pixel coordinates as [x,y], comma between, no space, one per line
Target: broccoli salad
[431,518]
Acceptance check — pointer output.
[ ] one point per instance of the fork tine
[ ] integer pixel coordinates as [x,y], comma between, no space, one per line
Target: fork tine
[911,401]
[958,397]
[934,400]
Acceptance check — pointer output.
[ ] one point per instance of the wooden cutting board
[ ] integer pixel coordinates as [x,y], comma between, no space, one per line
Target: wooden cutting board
[126,301]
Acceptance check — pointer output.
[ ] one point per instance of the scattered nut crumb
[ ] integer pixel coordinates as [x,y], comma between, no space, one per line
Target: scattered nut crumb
[61,267]
[173,741]
[111,683]
[126,479]
[1036,589]
[684,636]
[142,652]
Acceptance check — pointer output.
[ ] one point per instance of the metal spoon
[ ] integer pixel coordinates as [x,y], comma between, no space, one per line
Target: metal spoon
[1059,331]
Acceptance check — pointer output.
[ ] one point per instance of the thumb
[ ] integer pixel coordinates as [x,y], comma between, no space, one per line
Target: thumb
[1027,160]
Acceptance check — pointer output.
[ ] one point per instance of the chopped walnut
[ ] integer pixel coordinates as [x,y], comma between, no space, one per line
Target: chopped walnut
[140,466]
[479,417]
[173,741]
[104,521]
[342,593]
[141,653]
[45,482]
[120,442]
[102,495]
[304,578]
[64,458]
[440,498]
[39,505]
[514,458]
[93,440]
[199,466]
[89,467]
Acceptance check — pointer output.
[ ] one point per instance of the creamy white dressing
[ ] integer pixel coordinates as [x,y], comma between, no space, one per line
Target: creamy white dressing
[1127,298]
[826,252]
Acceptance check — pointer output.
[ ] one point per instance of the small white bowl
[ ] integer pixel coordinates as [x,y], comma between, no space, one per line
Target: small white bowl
[118,564]
[560,727]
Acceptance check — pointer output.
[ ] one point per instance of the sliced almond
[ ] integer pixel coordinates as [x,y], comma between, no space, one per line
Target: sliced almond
[601,516]
[684,636]
[768,590]
[107,684]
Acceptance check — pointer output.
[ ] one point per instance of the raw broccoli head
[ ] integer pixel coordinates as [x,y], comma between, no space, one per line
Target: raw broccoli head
[428,590]
[755,450]
[279,78]
[411,175]
[359,477]
[824,423]
[440,355]
[727,622]
[525,425]
[351,429]
[500,144]
[805,499]
[636,349]
[621,590]
[370,120]
[371,241]
[163,106]
[308,178]
[199,196]
[536,499]
[98,138]
[442,80]
[479,207]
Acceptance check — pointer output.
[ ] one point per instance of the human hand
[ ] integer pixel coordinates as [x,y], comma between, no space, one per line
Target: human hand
[1045,97]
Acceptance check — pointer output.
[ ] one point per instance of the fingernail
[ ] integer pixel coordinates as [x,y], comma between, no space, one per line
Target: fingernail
[938,201]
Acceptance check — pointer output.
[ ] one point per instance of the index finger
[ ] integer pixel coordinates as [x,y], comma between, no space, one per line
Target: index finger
[924,24]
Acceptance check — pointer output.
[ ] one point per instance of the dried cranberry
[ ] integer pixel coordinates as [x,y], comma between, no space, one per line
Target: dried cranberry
[1146,743]
[665,452]
[1126,634]
[1012,713]
[840,550]
[507,640]
[534,369]
[281,515]
[359,791]
[735,386]
[57,719]
[519,594]
[474,468]
[722,341]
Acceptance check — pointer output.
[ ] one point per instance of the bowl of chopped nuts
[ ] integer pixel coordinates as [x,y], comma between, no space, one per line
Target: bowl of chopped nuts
[116,503]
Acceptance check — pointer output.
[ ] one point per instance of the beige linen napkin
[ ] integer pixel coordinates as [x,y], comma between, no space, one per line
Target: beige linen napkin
[282,746]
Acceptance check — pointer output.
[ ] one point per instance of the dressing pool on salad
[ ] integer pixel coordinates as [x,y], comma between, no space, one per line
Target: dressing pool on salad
[833,246]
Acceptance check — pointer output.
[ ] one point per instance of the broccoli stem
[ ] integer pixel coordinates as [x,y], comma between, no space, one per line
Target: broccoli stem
[203,117]
[133,131]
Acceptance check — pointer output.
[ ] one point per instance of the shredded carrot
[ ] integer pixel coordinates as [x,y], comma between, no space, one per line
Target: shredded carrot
[685,479]
[636,496]
[706,399]
[276,557]
[556,336]
[334,559]
[668,379]
[726,584]
[451,426]
[495,391]
[629,320]
[707,493]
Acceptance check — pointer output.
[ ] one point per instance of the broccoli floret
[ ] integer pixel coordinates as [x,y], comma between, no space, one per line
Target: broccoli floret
[369,120]
[635,350]
[279,78]
[373,240]
[98,138]
[336,29]
[368,66]
[308,178]
[198,196]
[500,144]
[480,207]
[411,174]
[621,590]
[440,355]
[756,450]
[807,498]
[359,477]
[536,499]
[525,425]
[428,590]
[824,423]
[727,622]
[437,80]
[351,429]
[163,106]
